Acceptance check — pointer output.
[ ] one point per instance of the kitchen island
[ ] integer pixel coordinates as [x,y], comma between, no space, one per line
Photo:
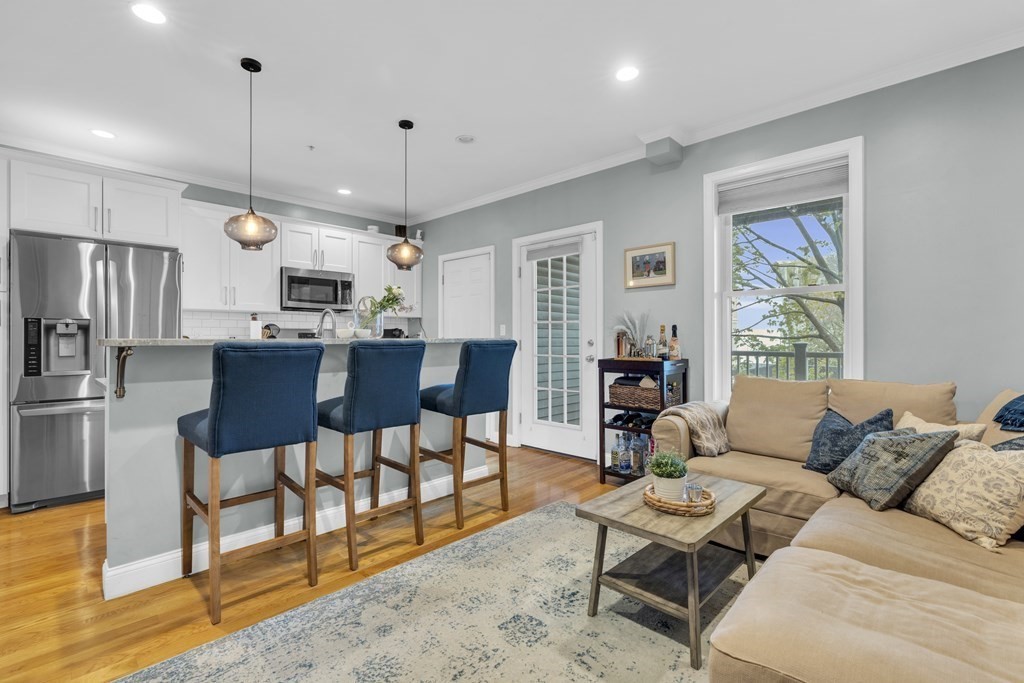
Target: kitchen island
[166,378]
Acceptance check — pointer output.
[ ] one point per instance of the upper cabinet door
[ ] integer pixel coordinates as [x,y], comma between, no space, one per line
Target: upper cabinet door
[300,246]
[369,268]
[47,199]
[204,250]
[255,279]
[335,250]
[140,213]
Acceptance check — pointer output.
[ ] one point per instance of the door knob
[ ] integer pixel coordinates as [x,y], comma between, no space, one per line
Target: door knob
[590,358]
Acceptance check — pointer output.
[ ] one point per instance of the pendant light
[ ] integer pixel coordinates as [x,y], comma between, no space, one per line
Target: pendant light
[249,229]
[405,254]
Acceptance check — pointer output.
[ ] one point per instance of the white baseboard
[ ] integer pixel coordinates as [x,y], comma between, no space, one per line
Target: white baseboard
[151,571]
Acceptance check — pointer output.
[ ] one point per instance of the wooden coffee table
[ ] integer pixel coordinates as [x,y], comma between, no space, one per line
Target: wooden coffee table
[665,573]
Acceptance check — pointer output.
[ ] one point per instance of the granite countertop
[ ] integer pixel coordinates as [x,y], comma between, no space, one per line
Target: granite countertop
[211,342]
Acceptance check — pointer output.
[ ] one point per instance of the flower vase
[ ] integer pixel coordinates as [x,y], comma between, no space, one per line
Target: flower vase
[368,319]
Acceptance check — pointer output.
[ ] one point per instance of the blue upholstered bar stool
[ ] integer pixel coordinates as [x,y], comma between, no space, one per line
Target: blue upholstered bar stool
[481,386]
[382,390]
[263,396]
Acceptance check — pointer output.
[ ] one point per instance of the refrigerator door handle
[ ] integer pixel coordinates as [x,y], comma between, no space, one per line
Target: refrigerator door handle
[112,305]
[60,409]
[100,353]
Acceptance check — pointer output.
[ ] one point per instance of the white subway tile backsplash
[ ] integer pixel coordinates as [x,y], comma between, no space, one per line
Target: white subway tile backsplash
[221,324]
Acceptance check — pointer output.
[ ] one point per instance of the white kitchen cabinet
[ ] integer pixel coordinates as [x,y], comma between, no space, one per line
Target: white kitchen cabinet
[57,200]
[255,278]
[369,267]
[335,250]
[141,213]
[300,244]
[313,247]
[218,274]
[77,203]
[411,282]
[205,276]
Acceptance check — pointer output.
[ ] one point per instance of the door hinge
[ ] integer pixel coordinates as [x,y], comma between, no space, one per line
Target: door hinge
[442,280]
[520,272]
[520,418]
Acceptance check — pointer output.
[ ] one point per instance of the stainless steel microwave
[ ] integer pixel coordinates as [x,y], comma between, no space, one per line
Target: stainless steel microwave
[315,290]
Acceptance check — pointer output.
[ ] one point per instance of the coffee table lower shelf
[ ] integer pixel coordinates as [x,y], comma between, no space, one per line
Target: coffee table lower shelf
[657,576]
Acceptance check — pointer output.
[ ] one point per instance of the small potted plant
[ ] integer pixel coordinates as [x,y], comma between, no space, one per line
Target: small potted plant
[669,471]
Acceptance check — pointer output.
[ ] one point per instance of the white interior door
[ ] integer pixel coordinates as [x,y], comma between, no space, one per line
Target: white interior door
[466,299]
[558,321]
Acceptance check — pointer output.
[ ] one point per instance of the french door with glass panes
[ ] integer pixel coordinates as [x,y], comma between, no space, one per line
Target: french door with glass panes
[558,320]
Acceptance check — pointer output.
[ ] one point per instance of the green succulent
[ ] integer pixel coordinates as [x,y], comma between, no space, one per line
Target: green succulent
[667,465]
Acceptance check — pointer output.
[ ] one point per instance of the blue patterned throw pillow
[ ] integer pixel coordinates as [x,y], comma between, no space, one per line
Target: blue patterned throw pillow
[1011,445]
[835,438]
[1011,415]
[887,467]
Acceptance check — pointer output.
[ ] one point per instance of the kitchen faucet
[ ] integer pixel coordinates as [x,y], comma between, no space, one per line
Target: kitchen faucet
[321,333]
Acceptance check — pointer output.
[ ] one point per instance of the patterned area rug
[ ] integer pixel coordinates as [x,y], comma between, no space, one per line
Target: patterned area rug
[507,604]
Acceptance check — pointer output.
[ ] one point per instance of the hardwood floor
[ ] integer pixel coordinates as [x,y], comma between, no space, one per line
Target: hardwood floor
[55,624]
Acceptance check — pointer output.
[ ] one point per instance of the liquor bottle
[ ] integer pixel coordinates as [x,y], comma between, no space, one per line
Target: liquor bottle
[673,346]
[662,345]
[649,348]
[616,449]
[625,461]
[637,454]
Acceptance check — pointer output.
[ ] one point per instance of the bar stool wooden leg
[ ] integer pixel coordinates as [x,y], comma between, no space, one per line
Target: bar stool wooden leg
[350,501]
[188,482]
[457,452]
[378,436]
[213,507]
[278,491]
[503,457]
[309,502]
[414,481]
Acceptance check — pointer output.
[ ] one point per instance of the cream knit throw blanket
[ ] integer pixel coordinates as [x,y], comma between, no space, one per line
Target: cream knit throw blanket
[707,431]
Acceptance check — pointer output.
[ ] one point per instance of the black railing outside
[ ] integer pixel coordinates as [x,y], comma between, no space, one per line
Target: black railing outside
[797,364]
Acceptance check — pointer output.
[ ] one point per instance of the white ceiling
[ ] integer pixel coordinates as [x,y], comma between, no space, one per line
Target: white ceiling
[531,79]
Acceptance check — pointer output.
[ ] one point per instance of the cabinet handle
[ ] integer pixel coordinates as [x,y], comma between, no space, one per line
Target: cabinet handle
[225,297]
[95,217]
[321,258]
[313,258]
[108,220]
[234,295]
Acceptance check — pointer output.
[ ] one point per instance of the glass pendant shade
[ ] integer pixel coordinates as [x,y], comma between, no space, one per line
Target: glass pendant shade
[250,230]
[405,254]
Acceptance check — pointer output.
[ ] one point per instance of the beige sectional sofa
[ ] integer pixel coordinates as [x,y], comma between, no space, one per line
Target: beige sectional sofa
[848,593]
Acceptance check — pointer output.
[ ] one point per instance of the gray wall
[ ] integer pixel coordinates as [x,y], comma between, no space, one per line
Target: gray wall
[202,193]
[944,241]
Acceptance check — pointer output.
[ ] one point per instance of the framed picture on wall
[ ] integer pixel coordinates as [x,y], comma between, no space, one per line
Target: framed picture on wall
[651,266]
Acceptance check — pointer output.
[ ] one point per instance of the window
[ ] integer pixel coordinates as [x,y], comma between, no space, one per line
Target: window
[784,291]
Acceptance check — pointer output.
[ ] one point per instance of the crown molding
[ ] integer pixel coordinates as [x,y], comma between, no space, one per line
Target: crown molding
[58,153]
[544,181]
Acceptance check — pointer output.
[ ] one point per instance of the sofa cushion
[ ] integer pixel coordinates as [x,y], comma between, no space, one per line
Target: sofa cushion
[887,466]
[897,540]
[791,490]
[768,532]
[976,492]
[835,438]
[775,417]
[857,399]
[864,623]
[994,433]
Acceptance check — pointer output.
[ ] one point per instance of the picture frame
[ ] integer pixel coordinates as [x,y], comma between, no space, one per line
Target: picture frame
[651,266]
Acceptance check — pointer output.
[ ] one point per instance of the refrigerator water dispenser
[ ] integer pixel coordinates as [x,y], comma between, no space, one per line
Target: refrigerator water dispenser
[65,346]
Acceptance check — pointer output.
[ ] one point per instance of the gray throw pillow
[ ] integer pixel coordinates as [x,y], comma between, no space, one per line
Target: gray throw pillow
[887,467]
[835,438]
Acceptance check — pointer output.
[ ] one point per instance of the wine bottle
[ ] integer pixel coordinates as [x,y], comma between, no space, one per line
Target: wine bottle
[673,346]
[662,345]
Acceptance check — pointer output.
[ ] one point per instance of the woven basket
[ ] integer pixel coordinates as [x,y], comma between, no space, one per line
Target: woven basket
[705,506]
[635,397]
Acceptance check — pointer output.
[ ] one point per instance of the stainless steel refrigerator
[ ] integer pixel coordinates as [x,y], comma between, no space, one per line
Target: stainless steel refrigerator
[66,294]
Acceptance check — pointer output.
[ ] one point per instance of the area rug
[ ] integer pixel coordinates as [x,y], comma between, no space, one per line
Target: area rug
[506,604]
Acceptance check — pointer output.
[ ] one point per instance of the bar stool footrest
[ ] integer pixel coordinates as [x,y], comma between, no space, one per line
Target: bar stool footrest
[481,480]
[263,546]
[384,509]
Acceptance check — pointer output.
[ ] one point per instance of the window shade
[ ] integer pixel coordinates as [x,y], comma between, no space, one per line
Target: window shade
[794,186]
[554,250]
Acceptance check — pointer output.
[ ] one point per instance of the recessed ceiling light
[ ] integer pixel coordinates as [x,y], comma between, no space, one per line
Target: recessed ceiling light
[627,73]
[149,13]
[106,135]
[465,139]
[344,191]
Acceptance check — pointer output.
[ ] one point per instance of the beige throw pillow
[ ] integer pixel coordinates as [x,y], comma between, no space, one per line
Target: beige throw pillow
[976,492]
[775,417]
[971,432]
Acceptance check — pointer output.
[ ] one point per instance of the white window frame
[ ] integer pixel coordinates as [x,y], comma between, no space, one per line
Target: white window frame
[718,261]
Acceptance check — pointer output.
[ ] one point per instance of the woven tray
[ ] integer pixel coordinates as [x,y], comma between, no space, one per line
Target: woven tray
[705,507]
